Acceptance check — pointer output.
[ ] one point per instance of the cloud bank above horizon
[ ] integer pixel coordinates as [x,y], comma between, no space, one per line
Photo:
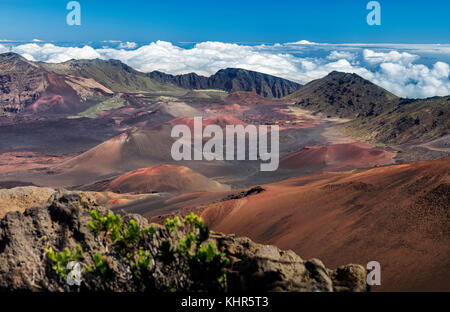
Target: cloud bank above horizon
[414,71]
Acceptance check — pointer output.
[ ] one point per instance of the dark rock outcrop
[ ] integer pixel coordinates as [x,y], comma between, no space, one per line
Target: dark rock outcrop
[62,223]
[29,87]
[112,74]
[379,116]
[252,191]
[232,80]
[21,83]
[187,81]
[343,95]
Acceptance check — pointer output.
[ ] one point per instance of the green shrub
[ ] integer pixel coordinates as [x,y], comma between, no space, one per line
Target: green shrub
[111,224]
[203,262]
[125,238]
[172,224]
[150,230]
[206,265]
[166,252]
[197,224]
[61,259]
[144,260]
[101,268]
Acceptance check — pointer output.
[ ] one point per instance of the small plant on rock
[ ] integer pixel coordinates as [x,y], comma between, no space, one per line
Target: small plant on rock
[101,268]
[206,265]
[60,260]
[126,239]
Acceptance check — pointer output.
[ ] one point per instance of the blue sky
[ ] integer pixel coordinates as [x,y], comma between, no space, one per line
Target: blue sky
[249,21]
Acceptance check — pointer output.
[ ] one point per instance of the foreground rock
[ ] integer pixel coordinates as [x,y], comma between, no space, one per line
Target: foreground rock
[20,198]
[63,222]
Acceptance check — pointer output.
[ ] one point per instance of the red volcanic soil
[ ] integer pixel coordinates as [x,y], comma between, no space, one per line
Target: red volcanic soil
[47,101]
[249,98]
[222,121]
[106,155]
[120,111]
[165,178]
[125,152]
[58,97]
[396,215]
[235,107]
[149,112]
[337,157]
[18,161]
[295,121]
[226,109]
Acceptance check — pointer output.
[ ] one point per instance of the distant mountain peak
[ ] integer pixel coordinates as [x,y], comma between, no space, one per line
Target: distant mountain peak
[346,76]
[98,62]
[345,95]
[232,80]
[14,57]
[113,74]
[11,55]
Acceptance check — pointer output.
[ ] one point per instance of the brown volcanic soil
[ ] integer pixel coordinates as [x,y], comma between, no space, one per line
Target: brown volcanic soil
[221,121]
[125,152]
[21,161]
[246,98]
[165,178]
[337,157]
[67,95]
[59,136]
[121,154]
[396,215]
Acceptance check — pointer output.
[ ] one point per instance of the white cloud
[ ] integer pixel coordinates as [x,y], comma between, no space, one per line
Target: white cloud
[120,44]
[373,57]
[336,55]
[54,54]
[36,40]
[441,70]
[204,58]
[414,80]
[396,71]
[4,49]
[127,45]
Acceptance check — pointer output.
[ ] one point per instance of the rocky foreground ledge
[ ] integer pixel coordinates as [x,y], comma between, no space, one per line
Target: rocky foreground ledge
[36,245]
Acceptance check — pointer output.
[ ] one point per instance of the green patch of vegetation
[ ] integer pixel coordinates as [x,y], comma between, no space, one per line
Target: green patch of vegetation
[101,268]
[164,98]
[166,252]
[207,94]
[206,265]
[125,238]
[172,224]
[114,75]
[106,105]
[189,242]
[413,121]
[60,260]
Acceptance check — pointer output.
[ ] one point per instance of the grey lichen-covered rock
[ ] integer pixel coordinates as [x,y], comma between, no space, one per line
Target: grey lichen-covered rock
[20,198]
[62,223]
[258,267]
